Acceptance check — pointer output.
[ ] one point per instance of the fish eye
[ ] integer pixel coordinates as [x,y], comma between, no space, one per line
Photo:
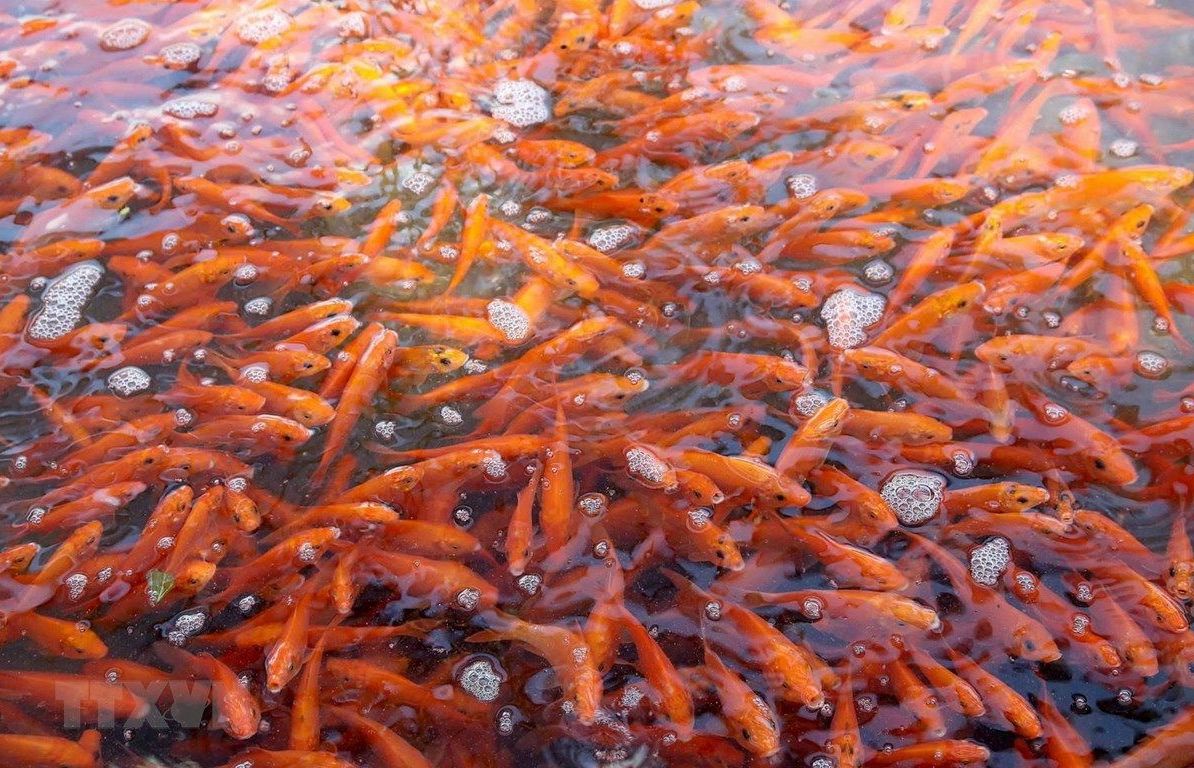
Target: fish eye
[1100,464]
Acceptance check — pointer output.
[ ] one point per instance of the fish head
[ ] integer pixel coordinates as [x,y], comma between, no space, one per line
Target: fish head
[194,576]
[1105,461]
[1000,353]
[650,203]
[787,375]
[1180,579]
[79,643]
[281,665]
[1020,497]
[115,194]
[290,432]
[1032,642]
[446,359]
[238,228]
[830,202]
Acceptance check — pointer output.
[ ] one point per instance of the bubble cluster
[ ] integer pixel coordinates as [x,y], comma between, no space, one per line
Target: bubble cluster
[877,272]
[63,301]
[129,381]
[468,598]
[808,403]
[180,55]
[418,183]
[259,26]
[186,626]
[1073,114]
[611,238]
[593,504]
[646,466]
[915,495]
[802,186]
[189,109]
[848,313]
[1151,365]
[989,560]
[75,584]
[509,319]
[505,721]
[1123,148]
[494,466]
[261,306]
[124,35]
[530,583]
[521,103]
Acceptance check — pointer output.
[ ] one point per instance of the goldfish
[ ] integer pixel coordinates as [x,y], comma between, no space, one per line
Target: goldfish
[566,651]
[748,717]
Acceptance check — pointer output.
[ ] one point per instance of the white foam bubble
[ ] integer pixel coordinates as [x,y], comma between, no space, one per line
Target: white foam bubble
[1073,114]
[593,504]
[180,55]
[63,301]
[802,186]
[124,34]
[259,306]
[848,313]
[877,272]
[418,183]
[75,584]
[450,416]
[494,466]
[186,626]
[1151,365]
[915,495]
[468,598]
[189,108]
[509,319]
[651,5]
[1123,148]
[481,680]
[506,721]
[808,403]
[634,270]
[521,103]
[645,465]
[129,381]
[259,26]
[989,560]
[538,215]
[611,238]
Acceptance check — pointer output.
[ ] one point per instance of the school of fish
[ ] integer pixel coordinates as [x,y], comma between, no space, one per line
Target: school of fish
[493,383]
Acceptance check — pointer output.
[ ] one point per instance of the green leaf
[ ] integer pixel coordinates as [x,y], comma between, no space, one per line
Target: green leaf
[159,585]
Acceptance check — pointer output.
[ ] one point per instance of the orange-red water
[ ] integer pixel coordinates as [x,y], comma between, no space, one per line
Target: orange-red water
[783,180]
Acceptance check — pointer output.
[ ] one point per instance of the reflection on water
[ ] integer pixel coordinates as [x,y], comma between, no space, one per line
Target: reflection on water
[595,383]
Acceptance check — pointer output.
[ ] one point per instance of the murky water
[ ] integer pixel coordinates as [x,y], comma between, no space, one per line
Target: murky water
[587,383]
